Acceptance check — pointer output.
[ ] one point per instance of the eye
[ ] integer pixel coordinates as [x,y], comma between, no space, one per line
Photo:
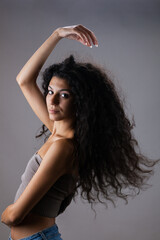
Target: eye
[50,92]
[65,95]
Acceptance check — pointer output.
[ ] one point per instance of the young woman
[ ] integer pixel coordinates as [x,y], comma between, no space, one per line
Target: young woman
[90,146]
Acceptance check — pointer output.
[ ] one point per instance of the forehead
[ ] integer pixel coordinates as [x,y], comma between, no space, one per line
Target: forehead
[58,82]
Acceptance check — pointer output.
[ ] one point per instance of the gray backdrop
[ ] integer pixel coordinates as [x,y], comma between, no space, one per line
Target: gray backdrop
[129,47]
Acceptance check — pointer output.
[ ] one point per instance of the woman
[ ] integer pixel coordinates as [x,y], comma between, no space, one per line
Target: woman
[90,145]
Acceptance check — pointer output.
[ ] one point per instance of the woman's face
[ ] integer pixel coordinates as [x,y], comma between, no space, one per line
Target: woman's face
[59,99]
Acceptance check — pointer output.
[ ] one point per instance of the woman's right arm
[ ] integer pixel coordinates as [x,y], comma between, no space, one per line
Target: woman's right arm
[27,79]
[29,73]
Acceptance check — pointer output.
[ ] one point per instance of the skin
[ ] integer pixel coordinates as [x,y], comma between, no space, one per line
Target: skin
[61,100]
[18,215]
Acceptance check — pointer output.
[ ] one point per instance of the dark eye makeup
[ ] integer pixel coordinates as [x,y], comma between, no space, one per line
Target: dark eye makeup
[65,95]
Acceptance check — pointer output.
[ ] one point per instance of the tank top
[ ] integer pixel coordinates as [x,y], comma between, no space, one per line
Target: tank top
[52,203]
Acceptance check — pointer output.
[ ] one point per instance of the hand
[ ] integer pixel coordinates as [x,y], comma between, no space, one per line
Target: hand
[79,33]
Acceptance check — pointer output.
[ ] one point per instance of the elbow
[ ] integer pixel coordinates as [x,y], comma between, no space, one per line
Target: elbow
[24,82]
[18,79]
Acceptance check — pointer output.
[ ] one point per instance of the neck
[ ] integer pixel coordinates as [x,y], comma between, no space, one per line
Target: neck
[63,129]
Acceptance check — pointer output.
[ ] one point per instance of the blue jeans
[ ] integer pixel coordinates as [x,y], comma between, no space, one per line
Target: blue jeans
[51,233]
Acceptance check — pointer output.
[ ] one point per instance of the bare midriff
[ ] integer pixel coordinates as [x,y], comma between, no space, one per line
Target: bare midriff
[32,224]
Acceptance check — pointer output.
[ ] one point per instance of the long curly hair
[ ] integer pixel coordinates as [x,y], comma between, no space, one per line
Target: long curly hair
[108,155]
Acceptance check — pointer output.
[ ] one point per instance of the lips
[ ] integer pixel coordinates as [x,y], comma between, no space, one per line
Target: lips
[53,111]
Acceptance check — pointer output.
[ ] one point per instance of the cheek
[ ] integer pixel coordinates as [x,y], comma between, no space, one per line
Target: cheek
[68,106]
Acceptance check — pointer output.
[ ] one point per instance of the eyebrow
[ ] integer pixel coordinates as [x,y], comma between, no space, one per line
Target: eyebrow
[64,89]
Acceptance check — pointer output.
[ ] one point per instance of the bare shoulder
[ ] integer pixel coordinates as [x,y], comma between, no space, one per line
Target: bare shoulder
[63,148]
[63,143]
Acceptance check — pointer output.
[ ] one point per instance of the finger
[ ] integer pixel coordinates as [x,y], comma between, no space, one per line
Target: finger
[91,34]
[81,36]
[87,37]
[77,37]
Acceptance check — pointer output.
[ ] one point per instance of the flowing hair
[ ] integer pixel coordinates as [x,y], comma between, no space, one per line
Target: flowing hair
[108,155]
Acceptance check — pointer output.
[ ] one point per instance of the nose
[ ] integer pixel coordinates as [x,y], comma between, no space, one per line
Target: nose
[55,99]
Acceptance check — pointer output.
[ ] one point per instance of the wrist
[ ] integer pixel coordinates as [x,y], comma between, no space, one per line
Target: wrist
[56,34]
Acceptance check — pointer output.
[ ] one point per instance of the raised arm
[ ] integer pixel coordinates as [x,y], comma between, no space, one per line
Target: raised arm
[29,73]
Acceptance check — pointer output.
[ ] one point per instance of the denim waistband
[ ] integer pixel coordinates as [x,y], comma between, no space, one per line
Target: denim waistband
[53,230]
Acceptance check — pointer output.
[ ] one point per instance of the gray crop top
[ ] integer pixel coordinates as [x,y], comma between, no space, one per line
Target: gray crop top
[51,204]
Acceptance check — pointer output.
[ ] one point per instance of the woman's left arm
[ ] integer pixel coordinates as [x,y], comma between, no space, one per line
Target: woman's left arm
[55,163]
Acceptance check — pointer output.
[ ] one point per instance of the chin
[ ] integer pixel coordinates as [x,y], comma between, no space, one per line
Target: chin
[55,118]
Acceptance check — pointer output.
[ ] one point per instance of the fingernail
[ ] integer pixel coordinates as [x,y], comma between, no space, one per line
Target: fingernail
[90,46]
[85,43]
[96,45]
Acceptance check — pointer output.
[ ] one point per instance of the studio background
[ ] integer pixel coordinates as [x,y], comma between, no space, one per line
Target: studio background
[129,35]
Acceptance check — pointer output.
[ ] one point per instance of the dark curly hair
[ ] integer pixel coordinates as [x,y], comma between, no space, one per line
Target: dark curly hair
[110,162]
